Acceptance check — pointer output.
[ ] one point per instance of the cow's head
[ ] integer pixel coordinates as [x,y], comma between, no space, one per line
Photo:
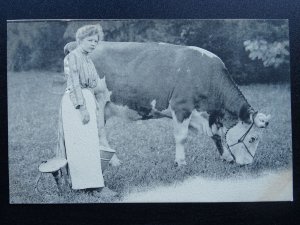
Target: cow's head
[240,142]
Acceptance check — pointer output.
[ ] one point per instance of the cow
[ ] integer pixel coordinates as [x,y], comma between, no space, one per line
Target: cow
[188,84]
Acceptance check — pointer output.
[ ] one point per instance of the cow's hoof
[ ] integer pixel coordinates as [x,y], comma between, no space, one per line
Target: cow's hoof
[180,163]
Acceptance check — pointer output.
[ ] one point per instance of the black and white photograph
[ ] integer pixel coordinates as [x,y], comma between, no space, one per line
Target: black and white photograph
[149,111]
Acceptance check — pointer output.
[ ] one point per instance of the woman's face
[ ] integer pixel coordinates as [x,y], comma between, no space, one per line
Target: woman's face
[88,44]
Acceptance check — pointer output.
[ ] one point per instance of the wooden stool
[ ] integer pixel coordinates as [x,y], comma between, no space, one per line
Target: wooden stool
[55,167]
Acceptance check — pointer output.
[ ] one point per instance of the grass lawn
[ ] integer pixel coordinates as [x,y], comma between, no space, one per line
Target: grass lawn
[146,148]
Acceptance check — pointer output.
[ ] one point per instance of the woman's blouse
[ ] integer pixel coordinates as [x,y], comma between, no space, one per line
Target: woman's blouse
[82,74]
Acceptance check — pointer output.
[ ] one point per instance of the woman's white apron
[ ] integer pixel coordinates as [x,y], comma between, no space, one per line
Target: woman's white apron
[82,143]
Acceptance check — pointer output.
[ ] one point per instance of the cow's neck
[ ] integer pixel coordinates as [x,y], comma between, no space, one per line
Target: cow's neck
[237,105]
[234,102]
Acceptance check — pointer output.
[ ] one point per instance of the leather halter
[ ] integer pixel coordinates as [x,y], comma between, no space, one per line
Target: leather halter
[241,139]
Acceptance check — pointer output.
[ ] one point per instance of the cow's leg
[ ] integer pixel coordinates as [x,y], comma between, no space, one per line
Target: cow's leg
[218,142]
[181,122]
[224,152]
[199,121]
[219,132]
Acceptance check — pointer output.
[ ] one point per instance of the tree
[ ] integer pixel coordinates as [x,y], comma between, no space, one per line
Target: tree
[271,54]
[35,45]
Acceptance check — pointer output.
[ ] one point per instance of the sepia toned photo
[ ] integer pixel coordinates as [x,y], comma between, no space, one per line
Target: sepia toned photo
[126,111]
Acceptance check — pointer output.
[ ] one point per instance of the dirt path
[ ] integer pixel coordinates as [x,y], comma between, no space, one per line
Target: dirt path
[268,187]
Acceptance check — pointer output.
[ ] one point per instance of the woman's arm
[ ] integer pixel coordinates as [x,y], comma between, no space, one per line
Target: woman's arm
[75,92]
[76,95]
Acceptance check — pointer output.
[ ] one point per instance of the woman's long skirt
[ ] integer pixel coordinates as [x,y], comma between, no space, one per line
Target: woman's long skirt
[82,143]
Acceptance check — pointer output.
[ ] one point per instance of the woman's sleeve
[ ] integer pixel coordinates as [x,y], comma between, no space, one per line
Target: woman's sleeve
[75,92]
[66,67]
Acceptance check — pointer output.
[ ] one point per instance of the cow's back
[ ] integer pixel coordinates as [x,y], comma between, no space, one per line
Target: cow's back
[138,73]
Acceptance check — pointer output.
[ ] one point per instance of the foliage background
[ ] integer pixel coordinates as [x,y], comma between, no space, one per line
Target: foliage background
[254,51]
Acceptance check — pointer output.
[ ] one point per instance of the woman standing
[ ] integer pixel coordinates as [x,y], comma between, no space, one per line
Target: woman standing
[83,86]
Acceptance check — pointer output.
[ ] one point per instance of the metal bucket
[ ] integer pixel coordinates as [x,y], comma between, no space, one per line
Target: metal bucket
[106,154]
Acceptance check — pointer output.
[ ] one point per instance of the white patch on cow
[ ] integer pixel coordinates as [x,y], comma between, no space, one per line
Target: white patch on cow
[180,134]
[162,43]
[199,120]
[153,104]
[203,52]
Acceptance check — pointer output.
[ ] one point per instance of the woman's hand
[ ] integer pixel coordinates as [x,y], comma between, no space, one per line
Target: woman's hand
[85,116]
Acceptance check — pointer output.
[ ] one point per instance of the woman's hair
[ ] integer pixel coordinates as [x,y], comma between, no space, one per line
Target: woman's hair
[89,30]
[70,47]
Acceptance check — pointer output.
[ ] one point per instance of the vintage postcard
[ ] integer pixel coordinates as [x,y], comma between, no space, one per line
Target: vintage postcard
[122,111]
